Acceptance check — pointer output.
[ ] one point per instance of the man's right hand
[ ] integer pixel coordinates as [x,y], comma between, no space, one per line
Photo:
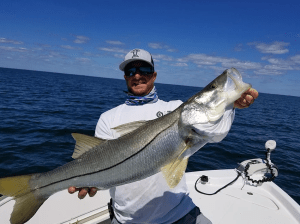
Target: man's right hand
[83,191]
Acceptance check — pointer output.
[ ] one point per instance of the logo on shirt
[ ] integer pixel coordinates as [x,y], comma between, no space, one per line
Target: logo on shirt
[159,114]
[135,53]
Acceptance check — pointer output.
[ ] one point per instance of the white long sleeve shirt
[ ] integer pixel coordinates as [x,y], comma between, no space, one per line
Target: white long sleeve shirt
[151,200]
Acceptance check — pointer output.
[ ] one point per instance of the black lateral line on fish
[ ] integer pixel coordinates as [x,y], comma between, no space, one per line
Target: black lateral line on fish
[107,167]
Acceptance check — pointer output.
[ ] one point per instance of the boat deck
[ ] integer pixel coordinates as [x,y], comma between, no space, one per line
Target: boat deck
[238,203]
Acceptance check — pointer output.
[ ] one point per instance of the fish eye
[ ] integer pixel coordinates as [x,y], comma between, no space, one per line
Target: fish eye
[213,86]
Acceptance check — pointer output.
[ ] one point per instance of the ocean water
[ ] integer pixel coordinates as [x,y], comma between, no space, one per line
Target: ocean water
[40,110]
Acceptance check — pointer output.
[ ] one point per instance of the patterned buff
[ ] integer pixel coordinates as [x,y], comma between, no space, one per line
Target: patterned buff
[140,100]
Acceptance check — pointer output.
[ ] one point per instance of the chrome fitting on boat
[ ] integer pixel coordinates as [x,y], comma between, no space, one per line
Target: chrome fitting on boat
[257,171]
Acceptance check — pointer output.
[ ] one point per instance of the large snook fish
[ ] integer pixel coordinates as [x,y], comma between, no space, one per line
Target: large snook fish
[144,148]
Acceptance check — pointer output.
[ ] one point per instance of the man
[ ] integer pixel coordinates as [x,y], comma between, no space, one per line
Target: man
[150,200]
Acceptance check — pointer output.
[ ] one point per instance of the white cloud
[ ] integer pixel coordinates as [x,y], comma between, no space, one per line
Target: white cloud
[279,64]
[119,56]
[83,60]
[238,47]
[161,46]
[52,55]
[212,61]
[70,47]
[113,49]
[172,50]
[219,63]
[89,54]
[5,40]
[276,61]
[81,40]
[15,49]
[114,42]
[271,64]
[155,45]
[45,45]
[273,48]
[182,59]
[265,71]
[278,67]
[158,57]
[296,59]
[203,59]
[180,64]
[218,70]
[242,65]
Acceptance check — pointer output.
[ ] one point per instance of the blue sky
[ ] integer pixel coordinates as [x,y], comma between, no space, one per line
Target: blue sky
[191,41]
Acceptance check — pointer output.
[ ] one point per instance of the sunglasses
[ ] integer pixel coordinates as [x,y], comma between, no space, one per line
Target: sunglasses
[143,71]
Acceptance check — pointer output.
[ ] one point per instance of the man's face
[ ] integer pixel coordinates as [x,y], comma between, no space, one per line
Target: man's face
[138,84]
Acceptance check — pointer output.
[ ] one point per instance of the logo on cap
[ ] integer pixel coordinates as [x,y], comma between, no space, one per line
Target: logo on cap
[134,53]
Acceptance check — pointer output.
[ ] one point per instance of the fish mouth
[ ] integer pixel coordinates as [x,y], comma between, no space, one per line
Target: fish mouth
[232,90]
[234,86]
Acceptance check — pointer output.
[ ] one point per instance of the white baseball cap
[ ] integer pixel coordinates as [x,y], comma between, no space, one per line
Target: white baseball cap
[137,54]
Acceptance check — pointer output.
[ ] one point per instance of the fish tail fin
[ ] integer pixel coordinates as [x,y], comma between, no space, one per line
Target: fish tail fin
[27,203]
[25,207]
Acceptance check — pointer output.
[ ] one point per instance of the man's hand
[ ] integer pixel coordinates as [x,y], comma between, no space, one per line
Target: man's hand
[83,191]
[246,99]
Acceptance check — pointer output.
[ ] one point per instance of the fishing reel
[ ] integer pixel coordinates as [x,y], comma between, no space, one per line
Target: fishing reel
[257,171]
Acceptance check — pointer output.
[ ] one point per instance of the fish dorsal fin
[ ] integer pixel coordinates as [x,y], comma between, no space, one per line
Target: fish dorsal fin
[128,127]
[84,143]
[173,172]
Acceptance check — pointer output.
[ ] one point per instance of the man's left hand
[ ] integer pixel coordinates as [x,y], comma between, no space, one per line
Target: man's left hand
[246,99]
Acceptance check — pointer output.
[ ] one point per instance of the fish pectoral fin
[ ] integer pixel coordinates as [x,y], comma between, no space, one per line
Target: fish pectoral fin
[128,127]
[173,172]
[84,143]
